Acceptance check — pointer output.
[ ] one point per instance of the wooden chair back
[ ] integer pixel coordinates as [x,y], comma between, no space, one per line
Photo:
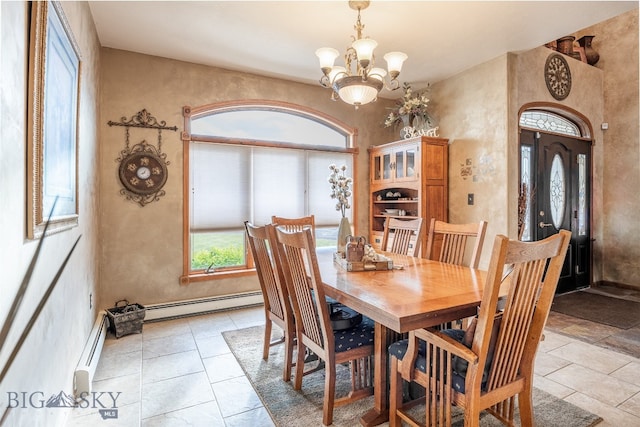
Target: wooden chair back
[531,270]
[295,224]
[300,268]
[262,243]
[447,242]
[400,234]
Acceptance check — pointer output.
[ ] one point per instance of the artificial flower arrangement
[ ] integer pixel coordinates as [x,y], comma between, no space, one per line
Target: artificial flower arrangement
[409,106]
[340,187]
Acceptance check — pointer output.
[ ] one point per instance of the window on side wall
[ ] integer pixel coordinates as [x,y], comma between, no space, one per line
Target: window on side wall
[249,163]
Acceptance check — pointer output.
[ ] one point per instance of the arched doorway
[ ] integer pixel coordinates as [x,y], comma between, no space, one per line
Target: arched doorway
[555,185]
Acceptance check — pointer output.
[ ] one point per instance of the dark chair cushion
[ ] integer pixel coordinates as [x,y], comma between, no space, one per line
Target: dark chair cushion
[459,365]
[357,336]
[399,349]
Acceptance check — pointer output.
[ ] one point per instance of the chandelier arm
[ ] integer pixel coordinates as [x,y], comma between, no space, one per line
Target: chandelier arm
[394,84]
[324,81]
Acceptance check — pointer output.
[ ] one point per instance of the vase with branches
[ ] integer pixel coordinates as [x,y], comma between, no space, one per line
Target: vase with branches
[341,192]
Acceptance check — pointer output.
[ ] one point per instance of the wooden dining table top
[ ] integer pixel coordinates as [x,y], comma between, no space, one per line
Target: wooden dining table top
[415,294]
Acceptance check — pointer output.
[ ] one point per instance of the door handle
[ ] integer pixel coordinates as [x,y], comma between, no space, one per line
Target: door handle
[543,224]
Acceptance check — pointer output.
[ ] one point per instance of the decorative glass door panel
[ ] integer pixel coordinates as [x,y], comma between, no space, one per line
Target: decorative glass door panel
[557,196]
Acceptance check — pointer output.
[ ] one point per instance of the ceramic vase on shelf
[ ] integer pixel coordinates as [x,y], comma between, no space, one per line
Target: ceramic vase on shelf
[344,231]
[421,123]
[406,131]
[565,45]
[589,51]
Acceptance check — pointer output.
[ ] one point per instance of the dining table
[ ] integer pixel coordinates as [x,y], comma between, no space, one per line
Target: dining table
[415,293]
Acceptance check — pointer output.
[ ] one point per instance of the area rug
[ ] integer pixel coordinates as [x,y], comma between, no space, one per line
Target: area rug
[597,308]
[288,407]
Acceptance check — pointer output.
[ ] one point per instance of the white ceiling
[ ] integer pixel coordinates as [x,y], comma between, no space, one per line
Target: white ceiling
[279,38]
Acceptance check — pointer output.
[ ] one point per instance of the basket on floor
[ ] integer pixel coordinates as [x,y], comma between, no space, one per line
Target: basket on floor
[126,319]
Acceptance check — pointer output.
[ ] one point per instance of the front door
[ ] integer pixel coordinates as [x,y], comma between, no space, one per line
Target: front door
[562,199]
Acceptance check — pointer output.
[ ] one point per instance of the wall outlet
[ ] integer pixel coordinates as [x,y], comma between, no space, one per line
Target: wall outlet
[470,199]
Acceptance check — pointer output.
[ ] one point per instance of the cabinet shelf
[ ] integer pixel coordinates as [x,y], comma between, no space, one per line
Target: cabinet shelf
[396,216]
[395,201]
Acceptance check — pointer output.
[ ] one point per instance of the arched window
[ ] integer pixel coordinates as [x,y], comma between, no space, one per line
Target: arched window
[547,121]
[249,161]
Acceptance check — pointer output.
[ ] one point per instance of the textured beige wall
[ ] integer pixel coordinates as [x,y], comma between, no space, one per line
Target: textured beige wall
[478,111]
[52,350]
[618,215]
[471,110]
[141,250]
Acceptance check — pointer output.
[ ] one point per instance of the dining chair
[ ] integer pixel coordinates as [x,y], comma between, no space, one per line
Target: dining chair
[298,224]
[295,224]
[277,308]
[491,363]
[313,328]
[447,242]
[402,236]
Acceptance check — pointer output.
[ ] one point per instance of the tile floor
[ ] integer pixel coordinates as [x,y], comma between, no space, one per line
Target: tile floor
[181,373]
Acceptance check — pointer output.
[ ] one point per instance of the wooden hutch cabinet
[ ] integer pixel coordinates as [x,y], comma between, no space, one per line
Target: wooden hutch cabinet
[408,179]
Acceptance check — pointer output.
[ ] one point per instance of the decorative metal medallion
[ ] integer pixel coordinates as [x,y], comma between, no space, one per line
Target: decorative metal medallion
[143,167]
[557,75]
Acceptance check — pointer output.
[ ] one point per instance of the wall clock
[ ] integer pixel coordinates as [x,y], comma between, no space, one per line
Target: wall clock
[142,167]
[143,171]
[557,75]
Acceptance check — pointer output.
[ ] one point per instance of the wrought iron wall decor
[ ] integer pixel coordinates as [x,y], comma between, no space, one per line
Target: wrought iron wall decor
[142,167]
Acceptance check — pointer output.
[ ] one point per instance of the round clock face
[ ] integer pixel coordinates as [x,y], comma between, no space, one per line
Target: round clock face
[143,173]
[557,75]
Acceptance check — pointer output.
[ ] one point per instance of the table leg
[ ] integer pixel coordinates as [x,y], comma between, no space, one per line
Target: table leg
[380,412]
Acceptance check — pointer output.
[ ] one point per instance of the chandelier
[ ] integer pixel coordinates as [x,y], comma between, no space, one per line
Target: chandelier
[359,81]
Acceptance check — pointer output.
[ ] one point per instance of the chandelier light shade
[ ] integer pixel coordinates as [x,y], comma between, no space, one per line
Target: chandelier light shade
[359,81]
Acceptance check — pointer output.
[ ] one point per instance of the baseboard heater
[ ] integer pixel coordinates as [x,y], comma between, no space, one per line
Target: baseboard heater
[86,368]
[173,310]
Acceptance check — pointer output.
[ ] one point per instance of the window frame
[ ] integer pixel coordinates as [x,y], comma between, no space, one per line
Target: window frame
[191,113]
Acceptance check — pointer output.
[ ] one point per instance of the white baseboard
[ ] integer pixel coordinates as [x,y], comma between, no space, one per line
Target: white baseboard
[83,376]
[201,305]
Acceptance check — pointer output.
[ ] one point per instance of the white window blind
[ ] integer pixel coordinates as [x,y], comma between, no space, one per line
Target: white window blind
[220,181]
[279,184]
[234,183]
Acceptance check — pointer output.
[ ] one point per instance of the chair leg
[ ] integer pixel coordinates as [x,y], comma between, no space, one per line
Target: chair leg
[395,393]
[525,402]
[288,356]
[329,393]
[471,417]
[297,384]
[267,337]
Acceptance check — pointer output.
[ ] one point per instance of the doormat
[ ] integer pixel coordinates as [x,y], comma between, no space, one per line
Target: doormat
[597,308]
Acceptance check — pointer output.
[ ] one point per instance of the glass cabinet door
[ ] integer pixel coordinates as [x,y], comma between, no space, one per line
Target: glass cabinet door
[376,168]
[407,163]
[386,166]
[399,166]
[411,162]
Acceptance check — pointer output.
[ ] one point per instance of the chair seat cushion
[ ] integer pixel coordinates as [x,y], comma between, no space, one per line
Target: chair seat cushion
[358,336]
